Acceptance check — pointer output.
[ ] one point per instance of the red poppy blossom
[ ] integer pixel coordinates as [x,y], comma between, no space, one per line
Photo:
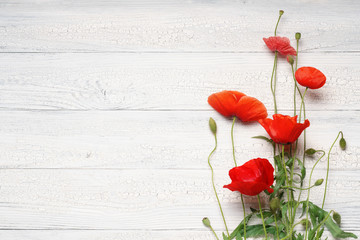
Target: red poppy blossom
[284,129]
[310,77]
[280,44]
[252,178]
[233,103]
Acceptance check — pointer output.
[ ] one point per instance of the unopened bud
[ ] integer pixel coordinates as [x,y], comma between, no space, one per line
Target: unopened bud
[337,218]
[319,182]
[290,59]
[212,125]
[206,222]
[310,151]
[297,36]
[274,204]
[303,222]
[342,143]
[281,12]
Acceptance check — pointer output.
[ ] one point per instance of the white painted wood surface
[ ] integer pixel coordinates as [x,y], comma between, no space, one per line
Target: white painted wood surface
[103,111]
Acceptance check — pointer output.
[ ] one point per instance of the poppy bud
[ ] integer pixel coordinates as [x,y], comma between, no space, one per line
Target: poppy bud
[310,151]
[303,222]
[342,143]
[290,59]
[319,182]
[337,218]
[297,36]
[274,204]
[212,125]
[281,12]
[206,222]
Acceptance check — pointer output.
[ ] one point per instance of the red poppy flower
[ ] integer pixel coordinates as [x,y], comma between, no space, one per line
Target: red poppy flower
[280,44]
[233,103]
[310,77]
[252,178]
[284,129]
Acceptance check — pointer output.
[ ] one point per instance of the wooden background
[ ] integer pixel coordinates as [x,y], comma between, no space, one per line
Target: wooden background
[104,114]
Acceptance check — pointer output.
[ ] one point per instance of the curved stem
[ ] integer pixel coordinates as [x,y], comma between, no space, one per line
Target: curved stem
[242,202]
[262,217]
[299,188]
[286,178]
[214,232]
[277,229]
[327,168]
[277,24]
[232,139]
[273,81]
[213,185]
[297,53]
[308,196]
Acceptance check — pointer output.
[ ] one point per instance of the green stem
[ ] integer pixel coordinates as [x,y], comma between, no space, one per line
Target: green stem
[328,165]
[273,81]
[242,202]
[232,139]
[298,187]
[308,196]
[277,24]
[262,217]
[213,185]
[302,103]
[286,178]
[214,232]
[277,228]
[297,53]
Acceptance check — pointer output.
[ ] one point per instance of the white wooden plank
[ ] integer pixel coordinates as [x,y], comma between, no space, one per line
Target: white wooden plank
[140,25]
[159,81]
[111,235]
[141,199]
[154,140]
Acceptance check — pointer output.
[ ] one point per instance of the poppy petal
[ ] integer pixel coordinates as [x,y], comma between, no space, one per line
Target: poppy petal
[250,109]
[310,77]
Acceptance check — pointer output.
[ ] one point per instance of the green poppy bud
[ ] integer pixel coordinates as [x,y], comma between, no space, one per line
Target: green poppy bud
[342,143]
[297,36]
[274,204]
[303,222]
[319,182]
[290,59]
[281,12]
[337,218]
[206,222]
[310,151]
[212,125]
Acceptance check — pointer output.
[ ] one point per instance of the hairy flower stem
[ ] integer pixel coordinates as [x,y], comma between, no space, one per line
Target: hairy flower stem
[277,228]
[262,217]
[232,139]
[277,24]
[297,53]
[328,165]
[286,178]
[308,196]
[213,185]
[273,81]
[242,202]
[214,232]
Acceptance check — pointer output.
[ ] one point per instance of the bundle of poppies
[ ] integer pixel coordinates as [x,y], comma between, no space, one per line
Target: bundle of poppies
[283,181]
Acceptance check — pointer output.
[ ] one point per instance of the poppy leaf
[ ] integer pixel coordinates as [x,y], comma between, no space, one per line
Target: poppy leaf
[225,237]
[265,138]
[302,169]
[240,227]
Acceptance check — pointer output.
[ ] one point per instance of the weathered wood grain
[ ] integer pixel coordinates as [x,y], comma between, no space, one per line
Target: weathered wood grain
[159,81]
[153,140]
[141,199]
[111,235]
[139,25]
